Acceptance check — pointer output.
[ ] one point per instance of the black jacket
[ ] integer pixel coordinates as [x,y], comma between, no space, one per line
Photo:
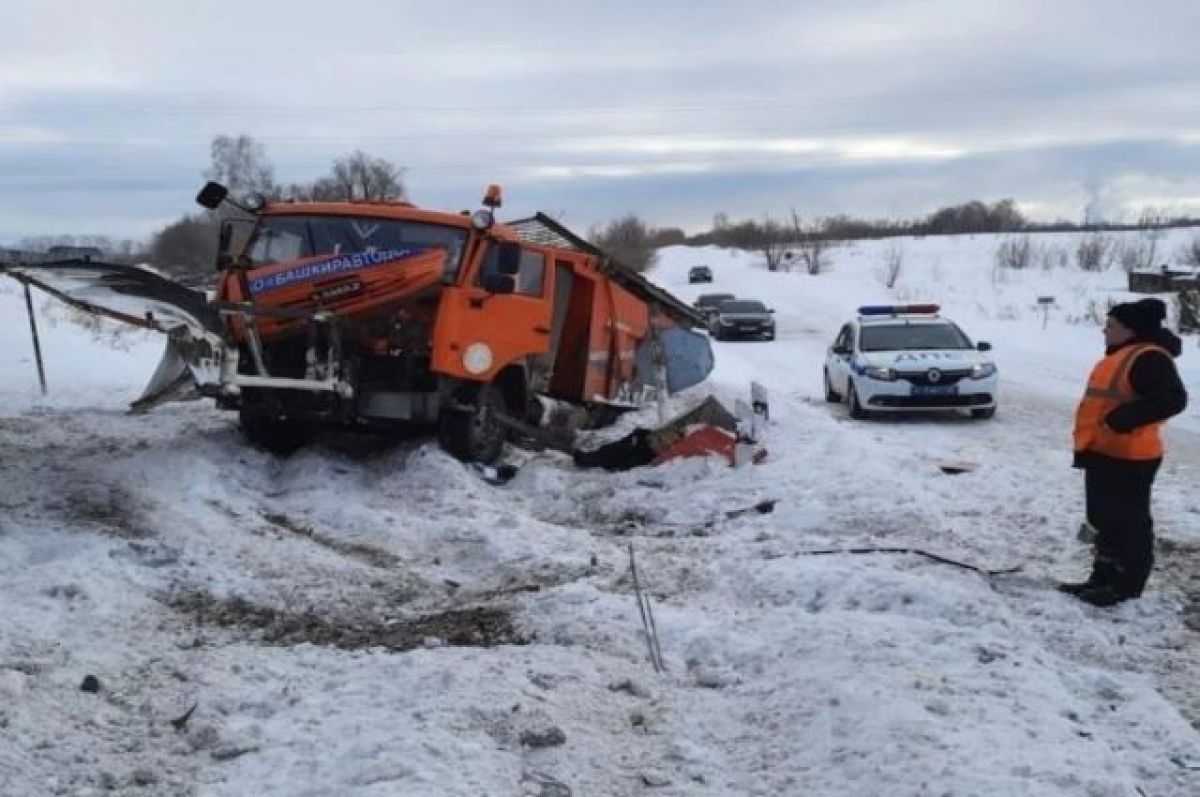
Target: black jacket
[1160,392]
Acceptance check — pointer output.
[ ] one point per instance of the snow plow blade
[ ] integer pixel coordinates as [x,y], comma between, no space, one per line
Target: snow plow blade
[146,300]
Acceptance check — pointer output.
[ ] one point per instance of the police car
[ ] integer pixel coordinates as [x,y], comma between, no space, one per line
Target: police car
[903,358]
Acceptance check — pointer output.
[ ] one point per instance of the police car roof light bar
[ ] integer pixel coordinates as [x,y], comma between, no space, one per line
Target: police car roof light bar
[897,309]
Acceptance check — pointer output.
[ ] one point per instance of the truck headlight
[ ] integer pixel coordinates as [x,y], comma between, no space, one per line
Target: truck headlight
[880,373]
[982,370]
[477,358]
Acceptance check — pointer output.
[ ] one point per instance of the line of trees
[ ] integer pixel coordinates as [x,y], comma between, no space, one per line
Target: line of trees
[1001,216]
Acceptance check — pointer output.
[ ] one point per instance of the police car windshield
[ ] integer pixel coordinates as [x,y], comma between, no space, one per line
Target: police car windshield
[741,306]
[906,337]
[279,239]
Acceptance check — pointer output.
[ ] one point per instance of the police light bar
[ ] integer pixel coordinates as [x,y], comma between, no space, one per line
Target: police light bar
[898,309]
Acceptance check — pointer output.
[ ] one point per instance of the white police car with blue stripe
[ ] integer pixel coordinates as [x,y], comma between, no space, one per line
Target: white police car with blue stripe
[907,358]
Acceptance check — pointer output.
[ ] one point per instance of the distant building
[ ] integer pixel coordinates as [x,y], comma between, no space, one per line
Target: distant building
[1163,279]
[74,252]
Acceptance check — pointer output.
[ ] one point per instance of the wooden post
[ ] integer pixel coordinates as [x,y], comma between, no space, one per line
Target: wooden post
[37,346]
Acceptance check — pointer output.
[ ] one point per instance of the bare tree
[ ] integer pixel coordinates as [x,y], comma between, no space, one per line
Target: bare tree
[1151,223]
[240,163]
[893,264]
[628,240]
[357,176]
[361,176]
[811,246]
[1130,254]
[1014,253]
[1094,252]
[1189,253]
[186,249]
[775,246]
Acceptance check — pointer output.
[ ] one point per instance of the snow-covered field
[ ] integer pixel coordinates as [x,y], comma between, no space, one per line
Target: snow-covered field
[365,620]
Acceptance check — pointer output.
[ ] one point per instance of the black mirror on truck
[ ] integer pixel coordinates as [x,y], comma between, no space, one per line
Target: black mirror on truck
[508,258]
[500,283]
[212,195]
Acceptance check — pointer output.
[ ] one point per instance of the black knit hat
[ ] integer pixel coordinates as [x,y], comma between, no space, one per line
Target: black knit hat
[1142,316]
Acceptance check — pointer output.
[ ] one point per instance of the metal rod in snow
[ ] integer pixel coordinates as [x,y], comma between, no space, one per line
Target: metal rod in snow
[647,615]
[659,357]
[654,634]
[37,346]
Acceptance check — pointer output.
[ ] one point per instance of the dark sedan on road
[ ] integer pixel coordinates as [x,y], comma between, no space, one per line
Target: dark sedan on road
[742,318]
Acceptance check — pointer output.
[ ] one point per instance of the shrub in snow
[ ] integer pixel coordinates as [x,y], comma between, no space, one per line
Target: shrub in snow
[1015,253]
[1189,253]
[1094,252]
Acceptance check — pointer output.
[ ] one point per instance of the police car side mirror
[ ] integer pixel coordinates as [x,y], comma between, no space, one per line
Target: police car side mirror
[840,349]
[983,345]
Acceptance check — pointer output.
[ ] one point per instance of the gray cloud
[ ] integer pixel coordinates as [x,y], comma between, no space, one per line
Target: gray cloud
[673,110]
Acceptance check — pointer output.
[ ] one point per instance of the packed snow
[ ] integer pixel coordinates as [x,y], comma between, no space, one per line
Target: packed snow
[369,619]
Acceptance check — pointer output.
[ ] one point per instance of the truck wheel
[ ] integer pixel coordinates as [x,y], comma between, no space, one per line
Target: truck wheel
[474,434]
[281,436]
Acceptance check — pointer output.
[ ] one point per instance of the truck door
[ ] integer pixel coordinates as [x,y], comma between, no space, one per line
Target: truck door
[477,332]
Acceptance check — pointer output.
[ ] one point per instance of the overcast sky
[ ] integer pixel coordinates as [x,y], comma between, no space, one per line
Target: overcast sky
[671,110]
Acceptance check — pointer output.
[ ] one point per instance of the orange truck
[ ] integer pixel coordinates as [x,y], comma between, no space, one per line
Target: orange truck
[383,315]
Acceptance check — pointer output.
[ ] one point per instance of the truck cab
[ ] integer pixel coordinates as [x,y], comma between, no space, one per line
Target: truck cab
[382,314]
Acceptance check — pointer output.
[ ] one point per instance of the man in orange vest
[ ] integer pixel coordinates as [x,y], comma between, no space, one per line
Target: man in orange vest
[1130,394]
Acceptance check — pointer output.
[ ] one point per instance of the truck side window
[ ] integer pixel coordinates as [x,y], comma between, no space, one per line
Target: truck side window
[532,276]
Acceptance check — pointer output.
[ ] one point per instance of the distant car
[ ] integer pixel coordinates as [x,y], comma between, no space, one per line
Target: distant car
[700,274]
[900,358]
[707,303]
[742,318]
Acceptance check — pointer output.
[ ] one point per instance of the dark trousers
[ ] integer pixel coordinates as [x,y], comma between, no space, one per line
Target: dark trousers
[1118,507]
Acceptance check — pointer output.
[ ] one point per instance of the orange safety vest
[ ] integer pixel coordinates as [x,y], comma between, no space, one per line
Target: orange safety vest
[1108,388]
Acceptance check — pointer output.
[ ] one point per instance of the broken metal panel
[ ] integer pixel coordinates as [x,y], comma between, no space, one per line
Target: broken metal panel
[687,357]
[543,230]
[128,294]
[191,360]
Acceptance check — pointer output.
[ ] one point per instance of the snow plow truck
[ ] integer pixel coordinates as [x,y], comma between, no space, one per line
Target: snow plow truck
[382,316]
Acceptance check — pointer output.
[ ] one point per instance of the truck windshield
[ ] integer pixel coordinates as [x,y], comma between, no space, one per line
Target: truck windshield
[900,337]
[279,239]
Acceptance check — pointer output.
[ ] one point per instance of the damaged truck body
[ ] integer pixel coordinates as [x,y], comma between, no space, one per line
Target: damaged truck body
[382,316]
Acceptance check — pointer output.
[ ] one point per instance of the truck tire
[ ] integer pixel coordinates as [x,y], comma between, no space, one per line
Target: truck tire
[281,436]
[469,428]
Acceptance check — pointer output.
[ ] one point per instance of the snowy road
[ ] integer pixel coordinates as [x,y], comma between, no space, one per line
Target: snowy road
[379,621]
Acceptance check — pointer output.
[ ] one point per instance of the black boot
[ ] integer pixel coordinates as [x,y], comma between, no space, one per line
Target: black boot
[1076,587]
[1104,595]
[1107,586]
[1104,572]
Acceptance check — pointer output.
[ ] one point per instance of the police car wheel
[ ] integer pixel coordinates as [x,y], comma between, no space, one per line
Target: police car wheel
[831,395]
[984,414]
[856,408]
